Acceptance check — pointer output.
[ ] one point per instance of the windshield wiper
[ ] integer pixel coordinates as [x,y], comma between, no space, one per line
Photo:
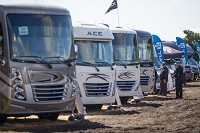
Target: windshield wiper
[145,61]
[106,64]
[63,60]
[122,63]
[91,65]
[38,58]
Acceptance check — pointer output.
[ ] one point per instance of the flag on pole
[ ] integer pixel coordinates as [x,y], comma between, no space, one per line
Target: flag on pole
[198,49]
[159,47]
[112,6]
[182,46]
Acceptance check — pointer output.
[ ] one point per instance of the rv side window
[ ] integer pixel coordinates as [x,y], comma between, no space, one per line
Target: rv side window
[1,41]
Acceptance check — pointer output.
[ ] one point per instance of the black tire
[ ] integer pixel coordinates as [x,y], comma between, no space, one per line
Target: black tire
[71,118]
[157,91]
[124,99]
[94,106]
[49,116]
[3,119]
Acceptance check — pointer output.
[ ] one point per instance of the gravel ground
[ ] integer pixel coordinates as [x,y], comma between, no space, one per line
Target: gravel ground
[154,114]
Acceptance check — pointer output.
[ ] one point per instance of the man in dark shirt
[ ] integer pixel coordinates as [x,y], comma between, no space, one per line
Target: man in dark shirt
[163,80]
[179,80]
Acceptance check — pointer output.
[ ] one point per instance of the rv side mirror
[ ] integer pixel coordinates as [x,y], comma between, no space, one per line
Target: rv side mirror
[2,61]
[1,46]
[76,51]
[1,50]
[1,39]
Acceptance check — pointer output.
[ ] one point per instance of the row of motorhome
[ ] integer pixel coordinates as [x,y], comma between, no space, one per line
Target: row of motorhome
[40,71]
[108,63]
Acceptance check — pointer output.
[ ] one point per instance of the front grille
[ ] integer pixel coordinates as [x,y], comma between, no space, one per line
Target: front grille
[188,70]
[187,66]
[195,70]
[125,85]
[50,93]
[97,89]
[144,80]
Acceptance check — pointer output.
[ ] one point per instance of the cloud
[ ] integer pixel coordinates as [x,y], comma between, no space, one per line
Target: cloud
[174,1]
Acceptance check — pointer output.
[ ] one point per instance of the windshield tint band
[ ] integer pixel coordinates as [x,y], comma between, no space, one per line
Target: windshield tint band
[40,35]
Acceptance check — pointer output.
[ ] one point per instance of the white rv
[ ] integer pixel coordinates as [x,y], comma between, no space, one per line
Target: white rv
[127,63]
[37,61]
[95,69]
[146,59]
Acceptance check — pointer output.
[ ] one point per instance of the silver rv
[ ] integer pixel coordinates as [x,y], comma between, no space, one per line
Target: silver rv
[37,69]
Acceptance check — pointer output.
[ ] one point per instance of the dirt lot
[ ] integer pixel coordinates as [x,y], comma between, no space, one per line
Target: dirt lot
[153,114]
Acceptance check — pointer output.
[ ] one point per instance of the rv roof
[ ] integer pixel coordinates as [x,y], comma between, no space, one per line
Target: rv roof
[143,33]
[88,25]
[122,30]
[33,9]
[86,31]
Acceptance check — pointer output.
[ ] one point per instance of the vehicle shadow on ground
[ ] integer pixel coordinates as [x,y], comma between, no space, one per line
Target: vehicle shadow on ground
[119,111]
[33,125]
[142,104]
[158,98]
[190,85]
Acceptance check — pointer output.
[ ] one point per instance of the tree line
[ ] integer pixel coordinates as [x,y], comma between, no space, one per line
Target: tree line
[190,38]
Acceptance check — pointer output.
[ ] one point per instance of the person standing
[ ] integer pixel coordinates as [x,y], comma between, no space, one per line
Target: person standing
[163,80]
[179,80]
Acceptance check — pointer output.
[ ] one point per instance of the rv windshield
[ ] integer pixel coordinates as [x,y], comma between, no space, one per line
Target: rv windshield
[98,53]
[40,36]
[145,49]
[125,48]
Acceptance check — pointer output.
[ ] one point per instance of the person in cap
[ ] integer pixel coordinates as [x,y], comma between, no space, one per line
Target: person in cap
[179,80]
[163,80]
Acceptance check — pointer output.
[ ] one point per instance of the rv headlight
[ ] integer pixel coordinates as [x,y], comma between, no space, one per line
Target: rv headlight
[74,87]
[137,88]
[17,81]
[16,74]
[113,93]
[74,72]
[19,96]
[114,87]
[18,89]
[73,92]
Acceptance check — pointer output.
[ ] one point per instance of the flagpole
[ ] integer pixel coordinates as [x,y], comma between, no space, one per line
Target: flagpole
[118,17]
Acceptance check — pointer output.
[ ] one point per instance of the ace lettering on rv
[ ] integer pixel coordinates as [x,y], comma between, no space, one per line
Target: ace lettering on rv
[94,33]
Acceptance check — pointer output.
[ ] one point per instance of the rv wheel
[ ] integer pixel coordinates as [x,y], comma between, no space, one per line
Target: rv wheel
[93,106]
[49,116]
[71,118]
[124,99]
[2,119]
[79,116]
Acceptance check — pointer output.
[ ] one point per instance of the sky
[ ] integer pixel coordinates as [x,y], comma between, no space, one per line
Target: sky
[165,18]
